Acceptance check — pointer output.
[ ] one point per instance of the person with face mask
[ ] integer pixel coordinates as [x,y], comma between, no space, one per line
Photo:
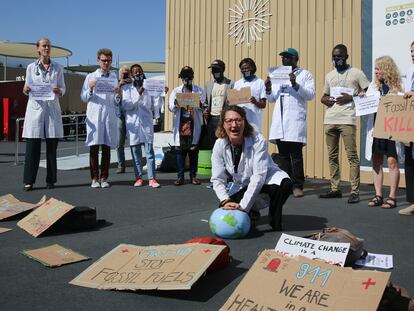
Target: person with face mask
[216,96]
[124,78]
[258,99]
[187,123]
[138,106]
[340,120]
[288,128]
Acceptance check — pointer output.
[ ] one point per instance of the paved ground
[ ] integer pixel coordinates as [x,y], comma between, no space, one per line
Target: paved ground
[167,215]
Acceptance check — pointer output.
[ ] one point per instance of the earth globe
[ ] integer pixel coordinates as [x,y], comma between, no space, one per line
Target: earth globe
[229,224]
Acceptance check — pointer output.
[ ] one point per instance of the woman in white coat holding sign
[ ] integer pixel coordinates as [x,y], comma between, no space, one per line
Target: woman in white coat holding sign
[43,119]
[242,153]
[139,107]
[101,120]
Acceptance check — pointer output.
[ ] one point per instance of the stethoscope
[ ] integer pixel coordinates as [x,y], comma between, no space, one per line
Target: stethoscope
[37,72]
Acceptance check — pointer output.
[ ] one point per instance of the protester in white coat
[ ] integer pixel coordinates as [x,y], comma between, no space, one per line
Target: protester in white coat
[289,126]
[101,120]
[43,119]
[139,107]
[258,95]
[242,153]
[387,80]
[187,123]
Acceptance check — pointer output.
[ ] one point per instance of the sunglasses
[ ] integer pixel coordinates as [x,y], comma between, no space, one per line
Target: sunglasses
[105,60]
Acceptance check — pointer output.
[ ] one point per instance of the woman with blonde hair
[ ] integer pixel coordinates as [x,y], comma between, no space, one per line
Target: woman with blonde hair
[387,80]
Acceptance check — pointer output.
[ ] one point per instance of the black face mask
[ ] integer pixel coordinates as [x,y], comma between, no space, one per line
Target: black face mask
[339,63]
[247,74]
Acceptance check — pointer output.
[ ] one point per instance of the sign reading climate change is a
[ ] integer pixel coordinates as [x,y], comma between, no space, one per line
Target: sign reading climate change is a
[331,252]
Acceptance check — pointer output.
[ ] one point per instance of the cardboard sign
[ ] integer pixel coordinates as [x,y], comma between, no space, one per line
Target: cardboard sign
[395,119]
[188,99]
[332,252]
[275,282]
[236,97]
[44,216]
[10,206]
[3,230]
[54,255]
[164,267]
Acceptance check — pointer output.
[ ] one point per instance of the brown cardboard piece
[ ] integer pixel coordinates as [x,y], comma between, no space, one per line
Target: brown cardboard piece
[10,206]
[163,267]
[188,99]
[44,216]
[3,230]
[236,97]
[54,255]
[395,119]
[275,282]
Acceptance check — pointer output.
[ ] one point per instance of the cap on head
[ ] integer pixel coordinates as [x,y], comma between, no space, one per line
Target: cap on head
[218,63]
[291,52]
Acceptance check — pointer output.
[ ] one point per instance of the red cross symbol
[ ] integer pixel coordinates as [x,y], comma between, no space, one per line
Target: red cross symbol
[125,250]
[368,283]
[206,250]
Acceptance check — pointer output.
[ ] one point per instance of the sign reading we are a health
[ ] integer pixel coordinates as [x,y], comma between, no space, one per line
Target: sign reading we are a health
[276,282]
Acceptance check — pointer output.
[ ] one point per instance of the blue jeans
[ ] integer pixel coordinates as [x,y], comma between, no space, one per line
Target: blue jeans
[193,156]
[136,153]
[121,141]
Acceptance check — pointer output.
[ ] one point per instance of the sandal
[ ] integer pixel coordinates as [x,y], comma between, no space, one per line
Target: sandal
[390,203]
[377,200]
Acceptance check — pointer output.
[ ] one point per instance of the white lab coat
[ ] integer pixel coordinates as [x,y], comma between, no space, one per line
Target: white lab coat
[138,115]
[43,118]
[198,114]
[256,168]
[258,91]
[399,146]
[291,124]
[101,120]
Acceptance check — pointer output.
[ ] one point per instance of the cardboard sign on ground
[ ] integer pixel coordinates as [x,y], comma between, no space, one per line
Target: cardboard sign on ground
[10,206]
[188,99]
[395,119]
[236,97]
[277,282]
[54,255]
[163,267]
[44,216]
[332,252]
[3,230]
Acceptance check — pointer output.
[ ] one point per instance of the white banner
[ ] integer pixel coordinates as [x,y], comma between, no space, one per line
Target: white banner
[105,85]
[154,87]
[42,91]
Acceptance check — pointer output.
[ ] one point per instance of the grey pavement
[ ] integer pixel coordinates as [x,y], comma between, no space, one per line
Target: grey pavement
[169,215]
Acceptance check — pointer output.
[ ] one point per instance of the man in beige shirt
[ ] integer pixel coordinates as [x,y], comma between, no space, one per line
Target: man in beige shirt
[341,84]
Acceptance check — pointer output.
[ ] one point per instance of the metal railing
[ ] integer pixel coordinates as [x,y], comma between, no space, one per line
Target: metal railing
[76,135]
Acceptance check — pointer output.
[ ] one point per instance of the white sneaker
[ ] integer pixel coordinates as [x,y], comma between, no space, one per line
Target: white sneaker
[95,184]
[104,183]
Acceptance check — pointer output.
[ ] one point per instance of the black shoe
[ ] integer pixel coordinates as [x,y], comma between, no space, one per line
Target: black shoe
[50,185]
[353,198]
[28,187]
[331,194]
[179,181]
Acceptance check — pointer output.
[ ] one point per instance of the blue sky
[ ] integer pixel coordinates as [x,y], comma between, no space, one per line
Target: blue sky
[134,30]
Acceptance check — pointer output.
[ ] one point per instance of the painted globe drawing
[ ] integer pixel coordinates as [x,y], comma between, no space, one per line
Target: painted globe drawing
[229,224]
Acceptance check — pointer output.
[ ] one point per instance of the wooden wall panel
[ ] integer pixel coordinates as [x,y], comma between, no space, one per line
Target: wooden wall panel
[197,33]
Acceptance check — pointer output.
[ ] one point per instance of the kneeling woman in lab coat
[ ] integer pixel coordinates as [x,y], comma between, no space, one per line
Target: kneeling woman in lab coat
[242,153]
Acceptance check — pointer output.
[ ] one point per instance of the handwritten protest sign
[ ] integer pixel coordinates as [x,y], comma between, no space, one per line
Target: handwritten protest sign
[276,282]
[188,99]
[164,267]
[236,97]
[44,216]
[395,119]
[54,255]
[366,105]
[331,252]
[3,230]
[154,87]
[10,206]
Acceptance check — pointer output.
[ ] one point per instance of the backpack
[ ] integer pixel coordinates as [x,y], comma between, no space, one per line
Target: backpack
[333,234]
[222,260]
